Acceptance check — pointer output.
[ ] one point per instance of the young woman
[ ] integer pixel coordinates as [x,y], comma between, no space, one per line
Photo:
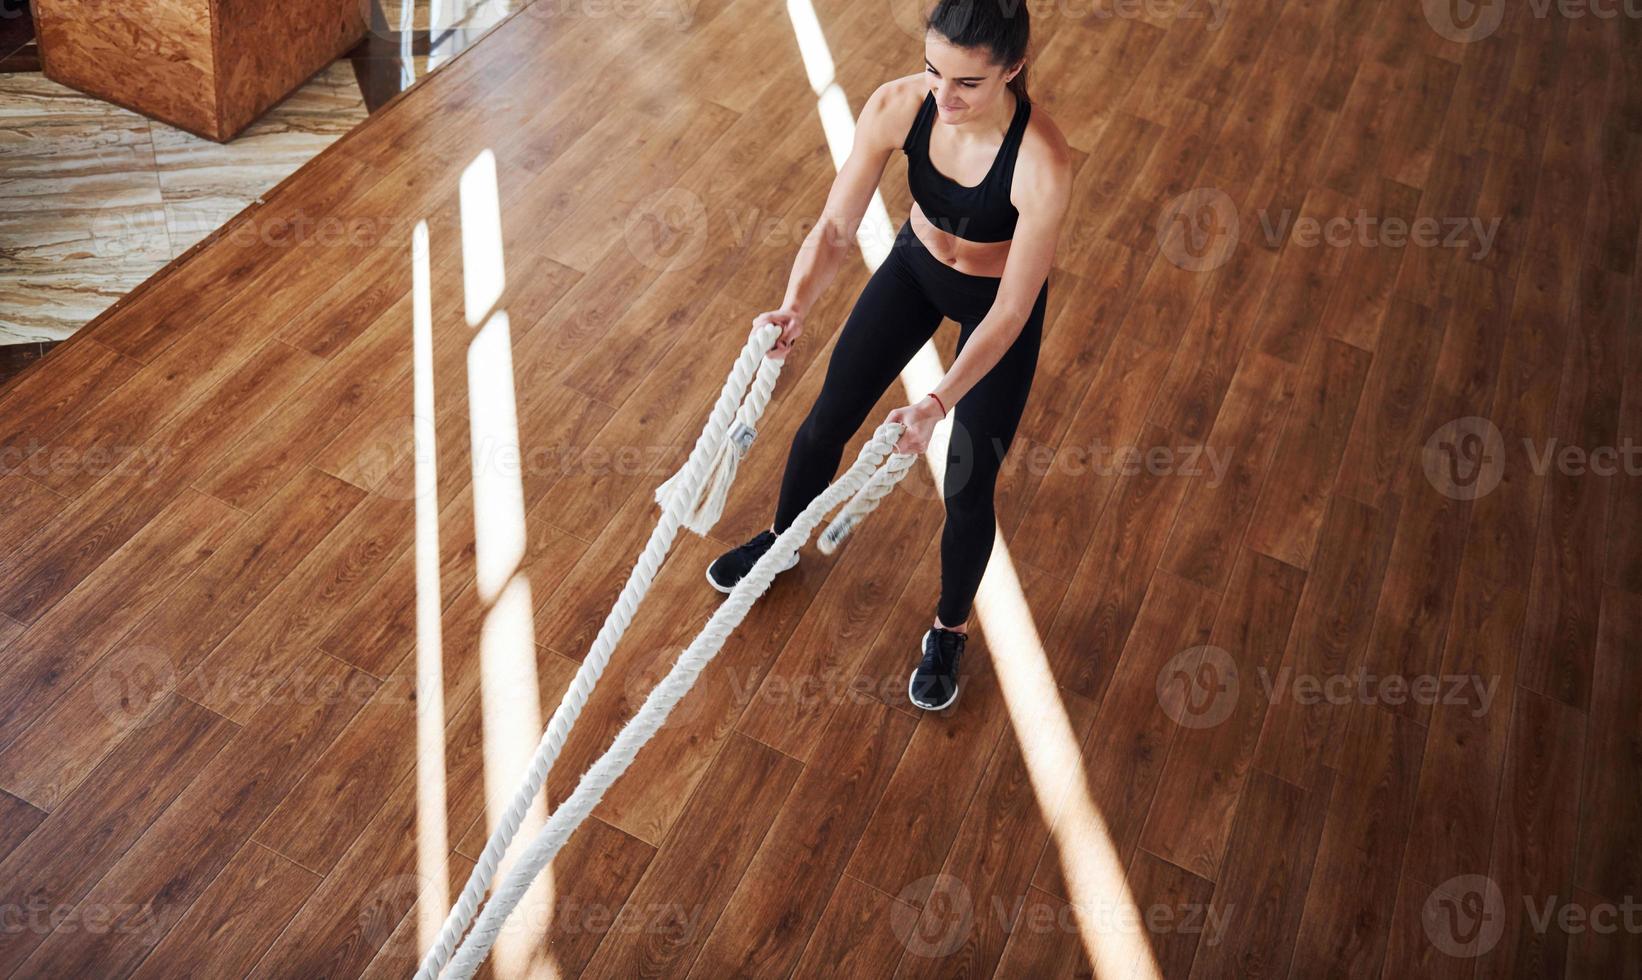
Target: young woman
[991,180]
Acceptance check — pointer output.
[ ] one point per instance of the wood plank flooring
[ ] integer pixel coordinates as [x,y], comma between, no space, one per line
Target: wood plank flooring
[1312,649]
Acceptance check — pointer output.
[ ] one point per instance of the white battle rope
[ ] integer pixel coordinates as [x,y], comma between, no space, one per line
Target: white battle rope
[866,482]
[708,505]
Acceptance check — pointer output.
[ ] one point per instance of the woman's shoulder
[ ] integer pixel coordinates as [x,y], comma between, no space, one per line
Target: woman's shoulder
[1043,146]
[1043,166]
[893,108]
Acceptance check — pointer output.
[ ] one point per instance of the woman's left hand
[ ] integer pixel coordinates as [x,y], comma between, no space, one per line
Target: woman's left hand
[919,419]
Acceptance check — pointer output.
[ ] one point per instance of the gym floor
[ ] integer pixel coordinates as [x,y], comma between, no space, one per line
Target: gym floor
[1308,646]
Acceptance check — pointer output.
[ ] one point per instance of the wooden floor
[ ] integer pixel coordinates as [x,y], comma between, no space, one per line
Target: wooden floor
[1342,707]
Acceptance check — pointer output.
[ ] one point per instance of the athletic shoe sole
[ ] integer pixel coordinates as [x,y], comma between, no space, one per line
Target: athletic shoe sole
[728,589]
[911,697]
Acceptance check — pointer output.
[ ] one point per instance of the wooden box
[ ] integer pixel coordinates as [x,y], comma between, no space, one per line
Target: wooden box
[206,66]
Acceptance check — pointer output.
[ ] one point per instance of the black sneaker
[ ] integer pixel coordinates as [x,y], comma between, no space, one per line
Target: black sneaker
[934,684]
[732,566]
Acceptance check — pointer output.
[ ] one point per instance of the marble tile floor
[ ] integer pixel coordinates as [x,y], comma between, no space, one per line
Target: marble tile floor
[94,198]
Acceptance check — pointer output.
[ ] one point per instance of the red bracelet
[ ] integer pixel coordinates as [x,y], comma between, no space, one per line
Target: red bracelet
[940,403]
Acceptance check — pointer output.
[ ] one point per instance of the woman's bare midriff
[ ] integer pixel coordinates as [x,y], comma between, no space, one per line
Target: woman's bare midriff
[970,258]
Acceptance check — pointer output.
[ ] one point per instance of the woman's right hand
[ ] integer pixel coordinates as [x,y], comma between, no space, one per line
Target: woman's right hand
[791,324]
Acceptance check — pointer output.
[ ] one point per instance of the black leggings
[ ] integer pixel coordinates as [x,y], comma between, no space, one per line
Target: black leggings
[898,310]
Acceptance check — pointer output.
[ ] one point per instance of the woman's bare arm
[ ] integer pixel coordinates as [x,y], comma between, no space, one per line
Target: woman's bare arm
[825,247]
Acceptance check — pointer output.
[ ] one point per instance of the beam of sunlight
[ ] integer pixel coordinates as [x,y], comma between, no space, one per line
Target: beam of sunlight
[498,494]
[812,46]
[837,122]
[507,650]
[432,836]
[1096,884]
[482,275]
[508,689]
[1094,871]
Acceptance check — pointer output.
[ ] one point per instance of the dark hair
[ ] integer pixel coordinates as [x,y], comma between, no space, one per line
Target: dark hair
[1001,26]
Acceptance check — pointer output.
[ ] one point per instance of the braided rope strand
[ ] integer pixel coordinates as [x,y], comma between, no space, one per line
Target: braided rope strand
[865,501]
[587,676]
[678,682]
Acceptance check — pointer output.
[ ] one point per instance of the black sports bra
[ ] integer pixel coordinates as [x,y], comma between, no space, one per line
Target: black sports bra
[978,214]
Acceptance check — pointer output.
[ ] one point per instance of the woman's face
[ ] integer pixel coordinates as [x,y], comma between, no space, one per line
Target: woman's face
[964,80]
